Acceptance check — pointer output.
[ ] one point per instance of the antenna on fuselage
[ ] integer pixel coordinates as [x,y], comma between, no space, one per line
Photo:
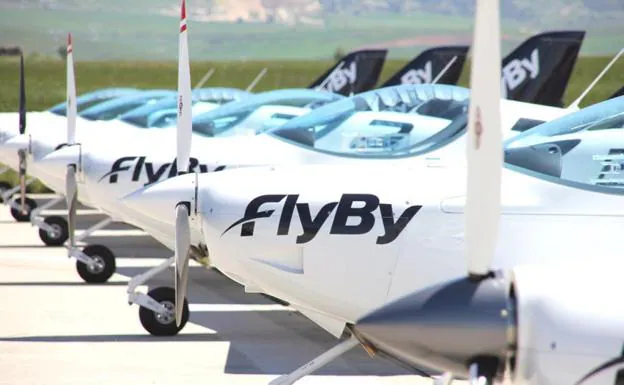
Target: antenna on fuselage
[575,104]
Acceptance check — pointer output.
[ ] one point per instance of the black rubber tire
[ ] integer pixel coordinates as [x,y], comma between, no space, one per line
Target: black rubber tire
[30,206]
[153,325]
[57,239]
[3,187]
[106,256]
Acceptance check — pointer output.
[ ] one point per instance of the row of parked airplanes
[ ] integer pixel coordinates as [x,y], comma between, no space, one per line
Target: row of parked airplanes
[473,232]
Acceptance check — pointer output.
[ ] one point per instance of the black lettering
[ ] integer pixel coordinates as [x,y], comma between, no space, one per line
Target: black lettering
[203,168]
[289,207]
[193,163]
[252,213]
[137,169]
[219,168]
[173,170]
[346,210]
[154,176]
[393,229]
[117,167]
[312,226]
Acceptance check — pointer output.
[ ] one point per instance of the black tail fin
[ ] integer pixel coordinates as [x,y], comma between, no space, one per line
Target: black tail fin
[538,71]
[22,97]
[427,66]
[357,72]
[617,93]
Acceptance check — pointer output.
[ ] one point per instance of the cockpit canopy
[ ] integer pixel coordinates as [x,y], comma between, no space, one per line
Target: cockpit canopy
[163,113]
[112,109]
[584,149]
[89,99]
[397,121]
[260,112]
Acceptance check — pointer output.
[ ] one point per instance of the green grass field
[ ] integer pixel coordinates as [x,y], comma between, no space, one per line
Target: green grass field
[45,79]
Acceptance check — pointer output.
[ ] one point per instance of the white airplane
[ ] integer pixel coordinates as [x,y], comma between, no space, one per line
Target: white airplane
[362,128]
[529,79]
[337,241]
[108,104]
[357,71]
[104,177]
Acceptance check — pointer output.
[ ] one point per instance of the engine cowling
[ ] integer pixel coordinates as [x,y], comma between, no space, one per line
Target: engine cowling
[570,325]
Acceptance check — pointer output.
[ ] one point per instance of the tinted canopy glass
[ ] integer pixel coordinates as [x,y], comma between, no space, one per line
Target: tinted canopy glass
[584,149]
[146,115]
[221,121]
[396,121]
[114,108]
[89,99]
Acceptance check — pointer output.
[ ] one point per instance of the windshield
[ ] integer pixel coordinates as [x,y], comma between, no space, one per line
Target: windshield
[112,109]
[396,121]
[253,113]
[584,149]
[89,99]
[146,115]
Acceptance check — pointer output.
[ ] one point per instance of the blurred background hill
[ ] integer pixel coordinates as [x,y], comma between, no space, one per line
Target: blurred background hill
[287,29]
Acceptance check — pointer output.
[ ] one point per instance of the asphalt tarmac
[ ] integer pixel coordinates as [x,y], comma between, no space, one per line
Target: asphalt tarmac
[55,329]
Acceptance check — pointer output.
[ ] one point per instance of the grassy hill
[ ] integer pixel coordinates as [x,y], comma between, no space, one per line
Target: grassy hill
[306,29]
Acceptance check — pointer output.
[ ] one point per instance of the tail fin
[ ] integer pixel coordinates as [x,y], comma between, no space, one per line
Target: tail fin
[427,66]
[357,72]
[22,97]
[538,71]
[617,93]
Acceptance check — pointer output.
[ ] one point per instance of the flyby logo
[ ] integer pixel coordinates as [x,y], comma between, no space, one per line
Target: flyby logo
[517,70]
[418,76]
[340,77]
[359,208]
[139,166]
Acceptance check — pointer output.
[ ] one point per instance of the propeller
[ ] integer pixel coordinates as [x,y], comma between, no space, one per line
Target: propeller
[71,196]
[21,153]
[182,247]
[71,186]
[183,144]
[484,144]
[461,325]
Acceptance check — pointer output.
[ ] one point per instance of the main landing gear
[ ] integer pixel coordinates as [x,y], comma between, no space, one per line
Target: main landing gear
[94,263]
[15,204]
[157,307]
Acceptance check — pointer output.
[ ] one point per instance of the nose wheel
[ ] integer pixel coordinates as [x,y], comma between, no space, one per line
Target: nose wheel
[101,267]
[160,320]
[56,232]
[16,212]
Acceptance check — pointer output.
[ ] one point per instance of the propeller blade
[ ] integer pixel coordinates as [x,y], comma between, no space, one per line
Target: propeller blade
[71,192]
[182,247]
[22,179]
[22,98]
[184,131]
[71,93]
[484,144]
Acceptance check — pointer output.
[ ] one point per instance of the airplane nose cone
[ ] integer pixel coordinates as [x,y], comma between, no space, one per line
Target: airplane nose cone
[445,327]
[158,200]
[19,142]
[61,157]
